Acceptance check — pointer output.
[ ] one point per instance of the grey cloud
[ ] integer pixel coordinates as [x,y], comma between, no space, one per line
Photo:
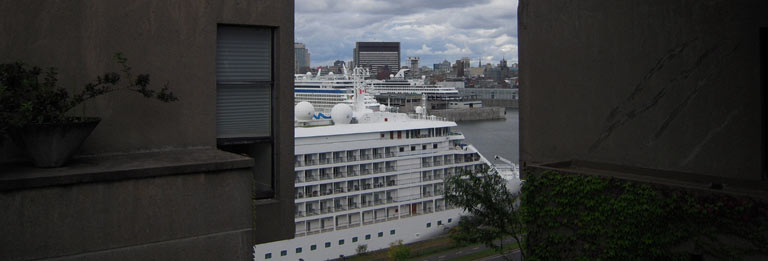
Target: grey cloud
[451,29]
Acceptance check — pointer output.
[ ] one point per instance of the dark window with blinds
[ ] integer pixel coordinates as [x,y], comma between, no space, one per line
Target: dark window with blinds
[244,85]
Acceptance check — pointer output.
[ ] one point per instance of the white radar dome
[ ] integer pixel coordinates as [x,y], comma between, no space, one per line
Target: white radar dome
[391,76]
[309,73]
[304,111]
[341,114]
[382,107]
[419,109]
[330,73]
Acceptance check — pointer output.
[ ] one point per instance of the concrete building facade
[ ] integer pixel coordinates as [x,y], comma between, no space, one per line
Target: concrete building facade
[301,54]
[153,181]
[670,95]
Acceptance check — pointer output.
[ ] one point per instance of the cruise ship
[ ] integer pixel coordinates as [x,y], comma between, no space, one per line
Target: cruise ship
[365,179]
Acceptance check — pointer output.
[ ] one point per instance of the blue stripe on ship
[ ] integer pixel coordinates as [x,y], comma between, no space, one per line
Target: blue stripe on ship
[320,115]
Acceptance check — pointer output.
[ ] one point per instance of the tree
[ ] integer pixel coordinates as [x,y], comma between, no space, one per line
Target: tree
[492,208]
[398,251]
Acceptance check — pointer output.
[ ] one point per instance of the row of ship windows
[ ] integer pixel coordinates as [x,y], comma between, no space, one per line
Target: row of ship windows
[299,250]
[365,154]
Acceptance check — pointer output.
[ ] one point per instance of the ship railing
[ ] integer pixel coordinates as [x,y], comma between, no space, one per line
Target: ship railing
[312,232]
[327,192]
[340,190]
[299,213]
[299,163]
[352,158]
[353,205]
[379,201]
[365,157]
[426,164]
[353,173]
[327,229]
[378,155]
[378,170]
[379,185]
[311,162]
[327,210]
[325,161]
[366,186]
[390,154]
[427,194]
[338,159]
[342,226]
[381,219]
[391,183]
[368,222]
[391,168]
[299,195]
[311,212]
[354,224]
[365,171]
[392,218]
[325,176]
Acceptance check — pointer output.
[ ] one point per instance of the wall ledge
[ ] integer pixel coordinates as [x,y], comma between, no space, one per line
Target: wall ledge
[88,169]
[751,188]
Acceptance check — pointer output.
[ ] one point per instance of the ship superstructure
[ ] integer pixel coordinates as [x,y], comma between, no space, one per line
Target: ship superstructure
[369,178]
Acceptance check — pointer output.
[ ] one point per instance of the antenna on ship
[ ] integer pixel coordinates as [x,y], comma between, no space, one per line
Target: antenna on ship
[358,80]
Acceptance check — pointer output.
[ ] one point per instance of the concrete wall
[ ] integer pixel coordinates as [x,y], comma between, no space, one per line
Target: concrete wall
[662,84]
[127,208]
[501,103]
[174,41]
[484,113]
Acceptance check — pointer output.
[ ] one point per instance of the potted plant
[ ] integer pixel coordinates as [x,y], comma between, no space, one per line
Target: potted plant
[38,115]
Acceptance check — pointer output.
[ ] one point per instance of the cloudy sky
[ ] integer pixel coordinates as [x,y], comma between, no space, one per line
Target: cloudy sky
[434,30]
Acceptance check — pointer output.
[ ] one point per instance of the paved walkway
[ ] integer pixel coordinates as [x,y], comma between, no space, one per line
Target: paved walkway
[459,252]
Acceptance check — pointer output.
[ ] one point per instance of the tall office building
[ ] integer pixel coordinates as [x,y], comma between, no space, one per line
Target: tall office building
[377,55]
[465,60]
[414,63]
[301,54]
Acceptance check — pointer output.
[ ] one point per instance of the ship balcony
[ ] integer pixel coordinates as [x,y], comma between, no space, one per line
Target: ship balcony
[378,170]
[338,160]
[353,205]
[311,212]
[299,195]
[365,171]
[311,162]
[325,161]
[366,186]
[300,213]
[426,164]
[391,169]
[339,174]
[326,210]
[378,155]
[426,194]
[299,163]
[391,183]
[352,157]
[367,203]
[325,176]
[365,157]
[390,154]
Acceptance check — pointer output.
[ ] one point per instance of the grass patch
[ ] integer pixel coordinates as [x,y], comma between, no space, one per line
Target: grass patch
[485,253]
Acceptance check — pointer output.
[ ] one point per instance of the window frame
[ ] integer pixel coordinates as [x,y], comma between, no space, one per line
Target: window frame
[230,143]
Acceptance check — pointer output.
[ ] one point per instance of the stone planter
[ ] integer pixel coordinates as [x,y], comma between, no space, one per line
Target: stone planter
[53,144]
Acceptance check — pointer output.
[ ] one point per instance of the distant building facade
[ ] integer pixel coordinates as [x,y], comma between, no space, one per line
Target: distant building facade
[375,56]
[301,54]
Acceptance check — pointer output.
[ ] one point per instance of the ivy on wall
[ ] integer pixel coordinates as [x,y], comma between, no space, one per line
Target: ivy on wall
[590,217]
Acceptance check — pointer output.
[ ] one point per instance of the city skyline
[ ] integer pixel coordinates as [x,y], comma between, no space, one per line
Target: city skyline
[432,30]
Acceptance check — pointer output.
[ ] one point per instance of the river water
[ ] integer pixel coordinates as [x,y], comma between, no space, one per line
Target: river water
[494,137]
